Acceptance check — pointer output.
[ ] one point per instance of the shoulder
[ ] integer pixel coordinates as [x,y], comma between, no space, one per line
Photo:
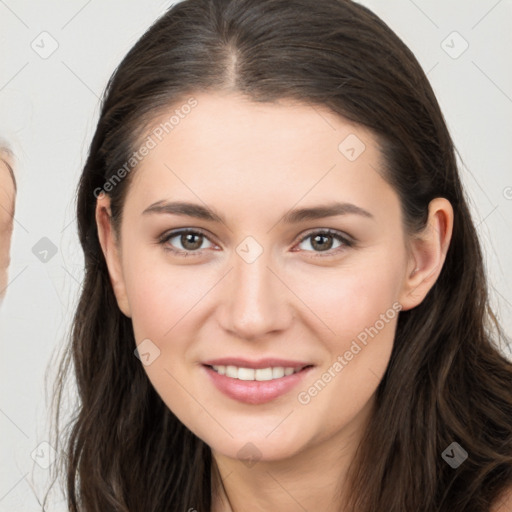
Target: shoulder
[504,502]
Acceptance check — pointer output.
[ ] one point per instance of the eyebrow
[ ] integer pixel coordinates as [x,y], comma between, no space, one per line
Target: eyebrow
[292,217]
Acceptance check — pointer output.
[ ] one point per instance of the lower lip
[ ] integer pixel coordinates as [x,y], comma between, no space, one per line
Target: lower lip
[253,391]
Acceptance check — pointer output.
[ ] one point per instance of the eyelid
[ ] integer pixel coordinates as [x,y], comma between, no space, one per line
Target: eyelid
[179,231]
[328,231]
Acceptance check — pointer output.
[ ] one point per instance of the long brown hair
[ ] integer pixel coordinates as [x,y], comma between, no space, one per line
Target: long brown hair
[447,380]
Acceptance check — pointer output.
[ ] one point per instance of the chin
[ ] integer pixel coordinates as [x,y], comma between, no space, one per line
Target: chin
[265,444]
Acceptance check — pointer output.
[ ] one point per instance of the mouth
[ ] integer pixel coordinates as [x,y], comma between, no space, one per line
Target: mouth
[255,386]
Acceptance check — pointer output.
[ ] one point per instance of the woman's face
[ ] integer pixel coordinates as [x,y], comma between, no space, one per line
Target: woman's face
[266,286]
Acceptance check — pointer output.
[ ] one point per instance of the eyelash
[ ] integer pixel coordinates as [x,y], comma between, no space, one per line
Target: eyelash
[347,242]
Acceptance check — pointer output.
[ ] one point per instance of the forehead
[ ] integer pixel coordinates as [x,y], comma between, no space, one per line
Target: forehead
[231,125]
[260,154]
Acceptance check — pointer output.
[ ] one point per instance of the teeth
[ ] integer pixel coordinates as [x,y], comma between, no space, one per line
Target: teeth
[277,372]
[263,374]
[231,371]
[259,374]
[246,373]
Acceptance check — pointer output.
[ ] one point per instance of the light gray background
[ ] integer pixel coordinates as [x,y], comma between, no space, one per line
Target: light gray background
[48,111]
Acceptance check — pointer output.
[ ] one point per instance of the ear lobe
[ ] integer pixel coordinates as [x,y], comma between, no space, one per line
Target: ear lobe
[111,251]
[428,253]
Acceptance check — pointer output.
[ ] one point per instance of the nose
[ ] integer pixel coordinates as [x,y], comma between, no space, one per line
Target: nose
[257,302]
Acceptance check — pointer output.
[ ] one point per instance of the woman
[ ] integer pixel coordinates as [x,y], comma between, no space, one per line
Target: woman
[284,305]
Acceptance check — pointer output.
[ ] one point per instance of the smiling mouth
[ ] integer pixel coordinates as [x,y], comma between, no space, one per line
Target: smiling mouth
[256,374]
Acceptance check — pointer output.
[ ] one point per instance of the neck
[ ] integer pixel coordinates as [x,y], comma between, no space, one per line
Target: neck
[313,479]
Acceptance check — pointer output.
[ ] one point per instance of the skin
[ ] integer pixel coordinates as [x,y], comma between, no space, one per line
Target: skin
[7,200]
[253,163]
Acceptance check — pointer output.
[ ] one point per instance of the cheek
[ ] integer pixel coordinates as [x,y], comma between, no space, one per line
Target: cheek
[361,310]
[359,354]
[161,295]
[163,300]
[352,297]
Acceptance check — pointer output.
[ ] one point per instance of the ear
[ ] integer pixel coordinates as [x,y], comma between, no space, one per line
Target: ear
[110,246]
[427,253]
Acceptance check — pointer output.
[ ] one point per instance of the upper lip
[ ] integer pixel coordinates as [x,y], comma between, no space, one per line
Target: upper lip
[260,363]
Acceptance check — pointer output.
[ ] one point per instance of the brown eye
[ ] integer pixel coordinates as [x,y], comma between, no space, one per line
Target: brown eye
[322,241]
[190,241]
